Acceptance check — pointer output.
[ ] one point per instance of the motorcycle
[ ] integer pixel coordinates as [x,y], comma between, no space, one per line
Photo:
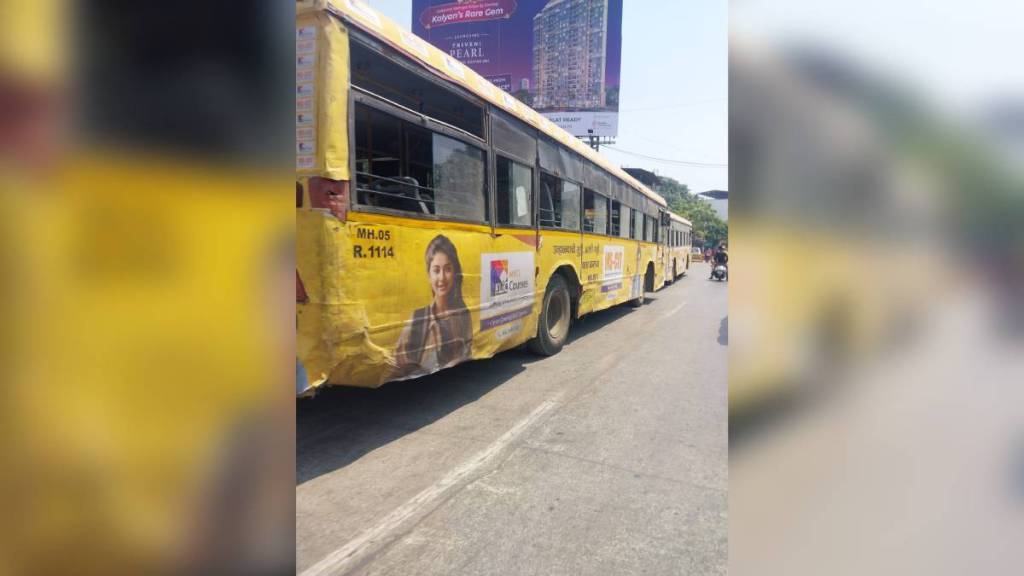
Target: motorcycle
[720,273]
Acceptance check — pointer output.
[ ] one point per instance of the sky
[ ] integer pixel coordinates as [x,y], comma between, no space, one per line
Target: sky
[957,55]
[673,101]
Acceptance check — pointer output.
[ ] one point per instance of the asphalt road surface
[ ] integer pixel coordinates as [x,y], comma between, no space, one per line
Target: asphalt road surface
[608,458]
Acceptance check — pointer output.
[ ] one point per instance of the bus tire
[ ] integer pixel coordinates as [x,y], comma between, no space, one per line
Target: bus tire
[555,318]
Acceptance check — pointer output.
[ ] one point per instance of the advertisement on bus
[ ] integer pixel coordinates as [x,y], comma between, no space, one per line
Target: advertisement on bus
[527,47]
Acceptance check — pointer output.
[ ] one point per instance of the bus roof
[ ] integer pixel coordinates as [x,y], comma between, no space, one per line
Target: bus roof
[442,64]
[680,219]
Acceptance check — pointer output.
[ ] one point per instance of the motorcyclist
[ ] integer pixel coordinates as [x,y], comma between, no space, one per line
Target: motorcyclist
[721,258]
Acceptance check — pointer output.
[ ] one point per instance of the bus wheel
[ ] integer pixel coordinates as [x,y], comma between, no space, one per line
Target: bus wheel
[555,318]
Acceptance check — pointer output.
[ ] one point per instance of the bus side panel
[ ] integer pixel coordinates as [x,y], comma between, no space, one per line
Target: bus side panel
[557,248]
[659,266]
[510,292]
[321,97]
[372,296]
[648,255]
[607,268]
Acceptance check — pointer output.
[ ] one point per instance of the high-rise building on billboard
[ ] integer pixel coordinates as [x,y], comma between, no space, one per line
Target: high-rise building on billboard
[569,42]
[562,57]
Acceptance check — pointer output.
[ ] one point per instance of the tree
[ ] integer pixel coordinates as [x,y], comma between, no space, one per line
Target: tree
[706,223]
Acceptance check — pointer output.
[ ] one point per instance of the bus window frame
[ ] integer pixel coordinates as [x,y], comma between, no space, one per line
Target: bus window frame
[534,192]
[359,96]
[579,205]
[607,212]
[425,73]
[496,150]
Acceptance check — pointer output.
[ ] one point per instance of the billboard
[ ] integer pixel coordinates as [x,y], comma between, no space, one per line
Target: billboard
[561,57]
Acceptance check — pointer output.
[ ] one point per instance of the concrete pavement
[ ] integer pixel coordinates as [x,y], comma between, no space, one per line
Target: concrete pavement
[609,458]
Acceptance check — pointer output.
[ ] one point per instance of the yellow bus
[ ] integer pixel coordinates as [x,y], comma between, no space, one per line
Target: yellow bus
[677,242]
[439,219]
[840,252]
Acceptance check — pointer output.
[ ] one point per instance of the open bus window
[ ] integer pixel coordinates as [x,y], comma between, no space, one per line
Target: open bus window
[514,193]
[549,216]
[375,72]
[401,166]
[637,232]
[623,221]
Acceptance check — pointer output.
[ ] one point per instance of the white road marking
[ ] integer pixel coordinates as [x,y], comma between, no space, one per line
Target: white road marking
[672,311]
[342,559]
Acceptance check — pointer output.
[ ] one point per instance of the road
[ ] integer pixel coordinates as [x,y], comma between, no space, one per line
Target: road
[912,463]
[608,458]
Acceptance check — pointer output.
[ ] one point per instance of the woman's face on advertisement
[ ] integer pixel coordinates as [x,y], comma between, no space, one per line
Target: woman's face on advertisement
[442,274]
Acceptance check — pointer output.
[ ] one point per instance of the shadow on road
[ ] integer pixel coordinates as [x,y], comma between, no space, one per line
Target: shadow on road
[341,424]
[723,331]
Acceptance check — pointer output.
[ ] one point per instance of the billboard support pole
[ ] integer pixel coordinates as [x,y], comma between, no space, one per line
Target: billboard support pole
[595,141]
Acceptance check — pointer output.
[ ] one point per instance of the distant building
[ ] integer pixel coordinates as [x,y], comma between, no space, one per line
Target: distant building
[524,84]
[569,52]
[719,200]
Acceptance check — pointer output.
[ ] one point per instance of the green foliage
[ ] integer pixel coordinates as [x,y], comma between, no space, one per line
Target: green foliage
[707,226]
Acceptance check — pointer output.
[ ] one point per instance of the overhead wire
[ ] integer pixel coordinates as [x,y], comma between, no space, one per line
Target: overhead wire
[668,160]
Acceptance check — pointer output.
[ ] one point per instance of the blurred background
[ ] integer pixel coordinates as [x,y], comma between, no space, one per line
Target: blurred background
[146,278]
[876,318]
[876,313]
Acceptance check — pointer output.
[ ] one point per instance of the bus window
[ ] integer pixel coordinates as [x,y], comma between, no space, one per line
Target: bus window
[513,137]
[459,177]
[560,203]
[514,193]
[378,148]
[570,205]
[546,211]
[402,166]
[624,221]
[375,72]
[614,216]
[595,212]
